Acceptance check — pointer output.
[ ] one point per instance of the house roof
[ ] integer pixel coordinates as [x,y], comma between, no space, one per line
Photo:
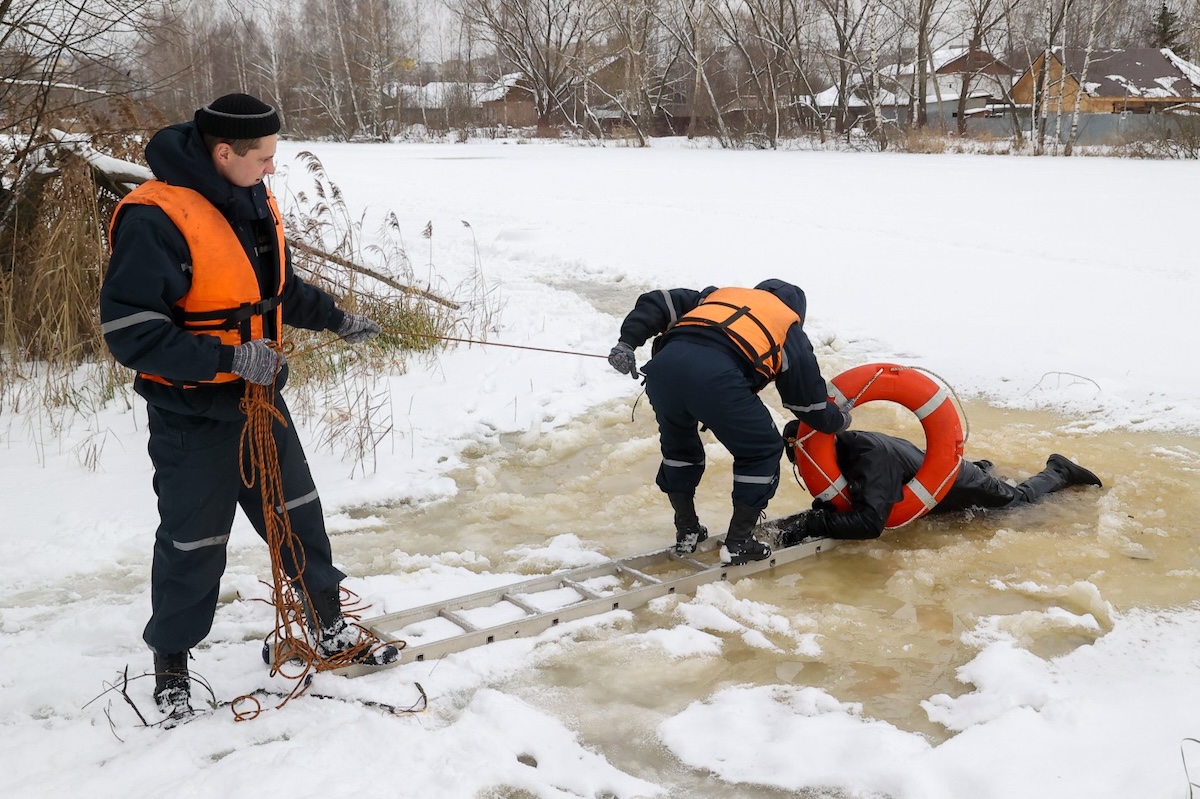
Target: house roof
[440,94]
[830,98]
[1183,109]
[1145,72]
[944,61]
[895,80]
[501,87]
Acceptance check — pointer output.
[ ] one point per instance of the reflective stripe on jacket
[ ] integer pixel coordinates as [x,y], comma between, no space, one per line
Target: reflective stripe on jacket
[225,299]
[756,321]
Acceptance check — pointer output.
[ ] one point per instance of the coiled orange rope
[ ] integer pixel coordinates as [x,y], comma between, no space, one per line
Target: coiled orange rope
[295,654]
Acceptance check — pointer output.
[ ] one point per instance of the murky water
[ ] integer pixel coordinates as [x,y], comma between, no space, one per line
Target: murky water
[888,615]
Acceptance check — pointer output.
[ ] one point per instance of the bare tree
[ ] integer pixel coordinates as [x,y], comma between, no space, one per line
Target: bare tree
[847,19]
[767,35]
[60,57]
[787,27]
[636,29]
[63,65]
[1055,13]
[696,39]
[352,58]
[60,60]
[1099,9]
[982,18]
[872,69]
[550,42]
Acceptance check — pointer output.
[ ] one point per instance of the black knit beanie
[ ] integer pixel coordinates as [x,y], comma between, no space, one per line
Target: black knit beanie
[237,116]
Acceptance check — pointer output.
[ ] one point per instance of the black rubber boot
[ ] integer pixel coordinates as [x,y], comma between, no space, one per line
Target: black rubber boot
[172,685]
[334,635]
[740,546]
[326,609]
[689,532]
[1076,475]
[1059,473]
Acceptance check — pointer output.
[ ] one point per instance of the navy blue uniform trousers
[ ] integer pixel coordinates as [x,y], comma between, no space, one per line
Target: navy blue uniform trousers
[199,487]
[690,383]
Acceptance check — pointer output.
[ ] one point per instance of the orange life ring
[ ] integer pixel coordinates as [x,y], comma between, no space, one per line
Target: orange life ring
[816,454]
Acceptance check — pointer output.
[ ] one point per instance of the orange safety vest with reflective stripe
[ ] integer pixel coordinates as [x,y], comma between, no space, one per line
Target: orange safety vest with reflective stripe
[224,299]
[757,321]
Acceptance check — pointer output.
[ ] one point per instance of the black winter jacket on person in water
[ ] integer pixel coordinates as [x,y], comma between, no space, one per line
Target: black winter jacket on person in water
[151,271]
[876,467]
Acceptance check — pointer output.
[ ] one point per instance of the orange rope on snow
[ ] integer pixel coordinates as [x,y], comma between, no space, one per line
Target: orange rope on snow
[294,652]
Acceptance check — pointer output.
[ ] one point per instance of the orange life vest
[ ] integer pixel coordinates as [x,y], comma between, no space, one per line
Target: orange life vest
[224,299]
[757,321]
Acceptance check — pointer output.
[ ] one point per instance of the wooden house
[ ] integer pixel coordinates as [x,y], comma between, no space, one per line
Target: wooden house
[509,102]
[982,73]
[986,78]
[1138,81]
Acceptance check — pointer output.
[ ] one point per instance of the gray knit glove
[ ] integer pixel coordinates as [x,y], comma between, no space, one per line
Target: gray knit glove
[622,359]
[356,329]
[257,362]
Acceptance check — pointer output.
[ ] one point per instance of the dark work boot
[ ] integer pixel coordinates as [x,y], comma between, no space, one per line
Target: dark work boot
[689,532]
[1047,481]
[172,685]
[334,635]
[740,546]
[1076,475]
[1059,473]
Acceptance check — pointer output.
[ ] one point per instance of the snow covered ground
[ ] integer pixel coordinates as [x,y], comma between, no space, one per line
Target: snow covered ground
[1029,282]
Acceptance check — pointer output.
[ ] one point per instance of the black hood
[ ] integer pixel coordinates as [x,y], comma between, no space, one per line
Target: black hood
[177,155]
[791,295]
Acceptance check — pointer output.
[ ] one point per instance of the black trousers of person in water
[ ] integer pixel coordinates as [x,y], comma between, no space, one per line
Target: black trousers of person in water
[877,466]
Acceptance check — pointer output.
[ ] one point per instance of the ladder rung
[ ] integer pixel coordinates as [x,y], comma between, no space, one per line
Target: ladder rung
[458,619]
[523,605]
[581,588]
[637,575]
[692,562]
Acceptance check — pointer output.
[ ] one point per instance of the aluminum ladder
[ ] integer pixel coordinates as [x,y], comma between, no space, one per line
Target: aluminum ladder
[526,608]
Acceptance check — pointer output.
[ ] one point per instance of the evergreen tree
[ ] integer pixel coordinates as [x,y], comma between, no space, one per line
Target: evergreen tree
[1166,30]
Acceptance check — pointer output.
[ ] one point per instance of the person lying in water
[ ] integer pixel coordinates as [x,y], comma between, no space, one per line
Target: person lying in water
[876,467]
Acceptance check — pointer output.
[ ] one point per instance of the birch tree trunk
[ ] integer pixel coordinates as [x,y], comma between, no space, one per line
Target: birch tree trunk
[880,132]
[1073,136]
[339,36]
[697,27]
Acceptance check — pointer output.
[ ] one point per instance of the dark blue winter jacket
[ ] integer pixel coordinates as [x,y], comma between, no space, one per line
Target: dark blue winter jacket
[801,386]
[150,271]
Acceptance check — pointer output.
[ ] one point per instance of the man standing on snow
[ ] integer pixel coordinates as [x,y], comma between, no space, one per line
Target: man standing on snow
[197,292]
[716,349]
[877,466]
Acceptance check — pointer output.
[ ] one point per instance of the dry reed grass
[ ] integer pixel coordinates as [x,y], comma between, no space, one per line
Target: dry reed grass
[345,386]
[54,366]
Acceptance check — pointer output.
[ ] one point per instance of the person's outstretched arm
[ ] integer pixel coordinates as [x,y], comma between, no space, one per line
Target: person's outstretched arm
[802,388]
